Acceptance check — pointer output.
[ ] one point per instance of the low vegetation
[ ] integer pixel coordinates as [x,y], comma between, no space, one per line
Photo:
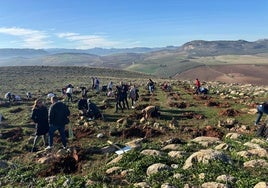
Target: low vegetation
[219,124]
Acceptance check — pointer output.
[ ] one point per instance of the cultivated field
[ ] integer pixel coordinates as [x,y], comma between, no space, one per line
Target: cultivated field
[245,74]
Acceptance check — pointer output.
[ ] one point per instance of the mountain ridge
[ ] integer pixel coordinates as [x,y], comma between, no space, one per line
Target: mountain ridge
[170,61]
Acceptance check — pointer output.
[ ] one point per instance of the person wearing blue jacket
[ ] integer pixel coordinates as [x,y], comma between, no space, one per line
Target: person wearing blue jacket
[262,130]
[262,108]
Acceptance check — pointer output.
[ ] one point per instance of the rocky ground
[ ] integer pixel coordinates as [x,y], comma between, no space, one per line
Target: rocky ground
[198,141]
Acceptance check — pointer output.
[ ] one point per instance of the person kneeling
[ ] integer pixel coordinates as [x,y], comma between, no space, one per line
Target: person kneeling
[83,106]
[93,111]
[151,111]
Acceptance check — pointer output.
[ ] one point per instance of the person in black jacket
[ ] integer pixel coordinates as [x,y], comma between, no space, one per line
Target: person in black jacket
[40,117]
[82,106]
[93,111]
[119,99]
[124,88]
[58,118]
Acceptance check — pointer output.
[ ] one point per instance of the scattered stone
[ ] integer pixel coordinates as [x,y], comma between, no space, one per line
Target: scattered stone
[205,156]
[113,170]
[173,147]
[168,185]
[226,178]
[151,152]
[222,146]
[252,145]
[213,185]
[261,185]
[176,154]
[206,141]
[115,160]
[142,185]
[157,167]
[259,163]
[233,136]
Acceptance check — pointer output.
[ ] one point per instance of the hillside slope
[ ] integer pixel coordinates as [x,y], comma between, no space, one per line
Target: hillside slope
[196,141]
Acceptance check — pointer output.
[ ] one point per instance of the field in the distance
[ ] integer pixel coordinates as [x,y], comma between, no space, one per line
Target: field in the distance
[244,74]
[244,69]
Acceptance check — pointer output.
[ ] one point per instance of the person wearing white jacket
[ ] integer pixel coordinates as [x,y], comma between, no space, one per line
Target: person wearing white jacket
[69,93]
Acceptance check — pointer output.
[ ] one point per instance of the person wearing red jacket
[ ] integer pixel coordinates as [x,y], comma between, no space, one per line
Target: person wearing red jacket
[198,85]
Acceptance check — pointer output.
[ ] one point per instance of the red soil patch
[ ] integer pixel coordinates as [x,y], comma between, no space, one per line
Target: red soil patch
[206,131]
[229,112]
[212,103]
[16,110]
[201,97]
[13,135]
[82,132]
[177,104]
[191,115]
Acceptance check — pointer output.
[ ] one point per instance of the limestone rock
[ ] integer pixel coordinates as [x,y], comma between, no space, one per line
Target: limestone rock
[157,167]
[205,156]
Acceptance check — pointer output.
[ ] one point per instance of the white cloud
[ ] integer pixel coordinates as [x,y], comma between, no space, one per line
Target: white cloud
[87,41]
[28,38]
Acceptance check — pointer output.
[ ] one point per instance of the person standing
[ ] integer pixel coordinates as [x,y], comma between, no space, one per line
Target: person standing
[118,99]
[97,85]
[110,86]
[198,85]
[58,118]
[133,96]
[262,108]
[84,91]
[69,93]
[124,91]
[93,83]
[151,86]
[262,130]
[40,117]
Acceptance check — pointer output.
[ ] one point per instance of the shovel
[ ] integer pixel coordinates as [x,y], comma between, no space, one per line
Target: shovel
[120,150]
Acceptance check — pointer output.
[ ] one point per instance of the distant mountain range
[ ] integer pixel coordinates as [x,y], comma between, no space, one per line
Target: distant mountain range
[165,61]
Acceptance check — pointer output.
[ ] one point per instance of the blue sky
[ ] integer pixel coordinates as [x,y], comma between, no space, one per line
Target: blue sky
[85,24]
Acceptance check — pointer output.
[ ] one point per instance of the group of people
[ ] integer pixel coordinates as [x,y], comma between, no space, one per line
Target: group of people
[50,120]
[12,97]
[122,93]
[56,117]
[199,89]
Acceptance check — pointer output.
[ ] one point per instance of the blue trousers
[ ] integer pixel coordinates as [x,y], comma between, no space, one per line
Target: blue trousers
[61,129]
